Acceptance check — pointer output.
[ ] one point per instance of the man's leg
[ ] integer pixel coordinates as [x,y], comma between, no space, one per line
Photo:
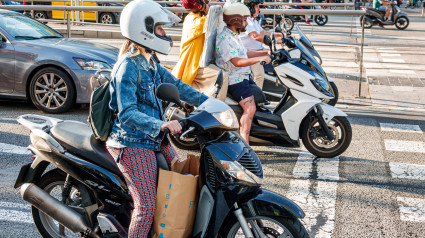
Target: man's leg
[248,106]
[387,14]
[258,74]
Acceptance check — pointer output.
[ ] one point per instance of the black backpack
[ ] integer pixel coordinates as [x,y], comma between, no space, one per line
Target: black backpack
[101,117]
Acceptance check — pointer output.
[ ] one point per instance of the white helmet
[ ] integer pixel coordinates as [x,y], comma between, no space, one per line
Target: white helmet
[234,13]
[138,21]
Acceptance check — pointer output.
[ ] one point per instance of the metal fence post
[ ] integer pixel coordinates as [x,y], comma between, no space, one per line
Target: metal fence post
[68,25]
[361,59]
[32,11]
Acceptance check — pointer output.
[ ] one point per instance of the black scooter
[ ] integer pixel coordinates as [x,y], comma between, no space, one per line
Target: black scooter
[375,17]
[85,193]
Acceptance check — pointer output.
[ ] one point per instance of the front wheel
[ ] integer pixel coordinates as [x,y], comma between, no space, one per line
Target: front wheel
[289,23]
[321,20]
[402,23]
[367,24]
[318,144]
[335,92]
[271,226]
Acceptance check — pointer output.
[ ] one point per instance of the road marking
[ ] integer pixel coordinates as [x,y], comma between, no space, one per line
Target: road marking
[13,149]
[405,146]
[7,119]
[393,60]
[390,55]
[316,197]
[15,212]
[411,209]
[400,71]
[407,171]
[400,128]
[402,88]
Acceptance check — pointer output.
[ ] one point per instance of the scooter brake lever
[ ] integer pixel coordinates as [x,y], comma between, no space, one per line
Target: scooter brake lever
[191,129]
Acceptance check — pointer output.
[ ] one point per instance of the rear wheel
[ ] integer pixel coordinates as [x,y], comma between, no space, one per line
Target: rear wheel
[402,23]
[40,15]
[367,23]
[107,18]
[321,20]
[53,183]
[275,227]
[319,145]
[289,23]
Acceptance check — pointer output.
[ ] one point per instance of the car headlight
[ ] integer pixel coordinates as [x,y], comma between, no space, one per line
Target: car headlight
[227,118]
[89,64]
[236,170]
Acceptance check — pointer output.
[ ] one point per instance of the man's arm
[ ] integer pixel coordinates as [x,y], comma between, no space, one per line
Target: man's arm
[257,53]
[241,62]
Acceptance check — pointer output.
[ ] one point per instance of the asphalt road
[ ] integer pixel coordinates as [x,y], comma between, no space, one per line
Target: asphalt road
[374,189]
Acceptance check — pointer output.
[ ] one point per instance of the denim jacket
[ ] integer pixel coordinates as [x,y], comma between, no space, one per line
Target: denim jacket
[139,110]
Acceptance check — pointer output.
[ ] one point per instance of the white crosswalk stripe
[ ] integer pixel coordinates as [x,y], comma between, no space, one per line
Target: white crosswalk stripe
[317,200]
[407,171]
[13,149]
[411,209]
[400,128]
[405,146]
[15,212]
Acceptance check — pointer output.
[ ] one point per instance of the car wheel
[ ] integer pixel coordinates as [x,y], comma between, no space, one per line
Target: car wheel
[107,18]
[40,15]
[52,91]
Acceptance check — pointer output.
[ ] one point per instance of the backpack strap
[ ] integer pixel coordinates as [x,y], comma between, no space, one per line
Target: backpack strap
[138,71]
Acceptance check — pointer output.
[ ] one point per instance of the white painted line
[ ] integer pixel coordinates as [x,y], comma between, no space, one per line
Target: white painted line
[407,171]
[405,146]
[390,55]
[13,149]
[390,60]
[411,209]
[400,128]
[402,88]
[317,202]
[396,71]
[7,119]
[15,212]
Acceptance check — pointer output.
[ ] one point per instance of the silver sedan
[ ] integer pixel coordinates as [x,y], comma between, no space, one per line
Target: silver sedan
[39,64]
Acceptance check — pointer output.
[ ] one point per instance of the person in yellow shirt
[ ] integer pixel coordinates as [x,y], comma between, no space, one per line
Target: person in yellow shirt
[192,44]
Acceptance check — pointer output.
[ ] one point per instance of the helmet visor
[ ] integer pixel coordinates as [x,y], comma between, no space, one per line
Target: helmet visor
[172,19]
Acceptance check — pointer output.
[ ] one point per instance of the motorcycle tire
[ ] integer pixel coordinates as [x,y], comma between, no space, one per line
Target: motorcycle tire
[52,182]
[319,145]
[189,144]
[321,20]
[401,23]
[334,88]
[289,20]
[274,226]
[367,24]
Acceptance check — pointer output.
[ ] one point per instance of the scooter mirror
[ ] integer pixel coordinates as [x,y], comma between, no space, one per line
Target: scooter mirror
[169,93]
[278,29]
[268,41]
[219,82]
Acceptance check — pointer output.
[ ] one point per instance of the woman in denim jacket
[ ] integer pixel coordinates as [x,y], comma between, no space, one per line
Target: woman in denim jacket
[139,129]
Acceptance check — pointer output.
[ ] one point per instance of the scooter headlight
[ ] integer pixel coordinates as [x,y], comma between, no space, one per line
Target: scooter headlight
[227,118]
[321,84]
[237,171]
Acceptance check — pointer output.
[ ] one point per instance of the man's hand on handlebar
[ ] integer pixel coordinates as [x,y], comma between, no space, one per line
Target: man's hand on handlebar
[174,127]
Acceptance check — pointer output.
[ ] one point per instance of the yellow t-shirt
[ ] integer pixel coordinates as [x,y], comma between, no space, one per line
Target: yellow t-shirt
[192,44]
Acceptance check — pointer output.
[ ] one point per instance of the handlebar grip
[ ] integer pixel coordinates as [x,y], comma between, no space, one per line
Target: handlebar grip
[166,131]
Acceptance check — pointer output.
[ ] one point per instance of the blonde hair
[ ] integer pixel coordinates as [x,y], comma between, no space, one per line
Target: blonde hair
[127,45]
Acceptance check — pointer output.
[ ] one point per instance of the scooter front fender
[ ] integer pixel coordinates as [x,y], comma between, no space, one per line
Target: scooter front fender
[268,203]
[330,112]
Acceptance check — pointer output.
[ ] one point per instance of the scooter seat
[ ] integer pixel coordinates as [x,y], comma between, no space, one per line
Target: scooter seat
[78,138]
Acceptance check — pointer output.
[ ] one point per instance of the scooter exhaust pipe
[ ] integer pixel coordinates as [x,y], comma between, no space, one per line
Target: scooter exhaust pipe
[55,209]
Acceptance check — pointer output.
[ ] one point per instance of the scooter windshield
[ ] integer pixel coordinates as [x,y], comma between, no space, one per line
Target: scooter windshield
[306,53]
[307,43]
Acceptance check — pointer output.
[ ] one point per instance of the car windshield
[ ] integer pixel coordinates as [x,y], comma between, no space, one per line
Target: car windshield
[25,28]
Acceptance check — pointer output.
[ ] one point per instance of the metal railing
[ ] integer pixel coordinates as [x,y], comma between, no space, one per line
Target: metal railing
[69,9]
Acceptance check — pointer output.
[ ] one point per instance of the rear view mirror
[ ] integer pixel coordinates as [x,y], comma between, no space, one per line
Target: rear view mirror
[278,29]
[219,82]
[170,93]
[267,40]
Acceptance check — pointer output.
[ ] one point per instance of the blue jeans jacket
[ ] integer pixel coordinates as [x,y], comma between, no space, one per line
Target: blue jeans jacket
[139,110]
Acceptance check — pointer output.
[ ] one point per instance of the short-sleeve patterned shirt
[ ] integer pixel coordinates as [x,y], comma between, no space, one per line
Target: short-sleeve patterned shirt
[229,46]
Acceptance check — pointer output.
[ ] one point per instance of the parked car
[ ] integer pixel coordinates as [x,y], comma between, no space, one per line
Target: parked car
[39,64]
[96,16]
[12,3]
